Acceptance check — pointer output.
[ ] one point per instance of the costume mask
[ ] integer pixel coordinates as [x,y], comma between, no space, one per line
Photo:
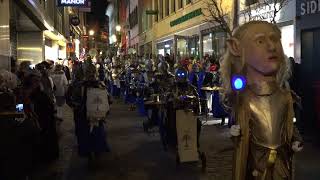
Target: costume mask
[260,47]
[181,75]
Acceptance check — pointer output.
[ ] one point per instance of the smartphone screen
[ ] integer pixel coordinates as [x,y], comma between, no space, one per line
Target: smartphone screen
[19,107]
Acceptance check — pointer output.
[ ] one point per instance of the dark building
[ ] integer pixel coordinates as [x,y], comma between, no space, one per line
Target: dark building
[307,52]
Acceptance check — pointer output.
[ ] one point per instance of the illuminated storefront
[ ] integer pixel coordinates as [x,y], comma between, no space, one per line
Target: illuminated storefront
[213,42]
[165,47]
[55,46]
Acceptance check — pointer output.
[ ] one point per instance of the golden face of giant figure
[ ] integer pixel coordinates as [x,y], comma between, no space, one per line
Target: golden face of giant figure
[260,47]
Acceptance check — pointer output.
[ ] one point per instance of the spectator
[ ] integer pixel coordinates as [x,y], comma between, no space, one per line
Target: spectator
[60,82]
[67,73]
[17,133]
[24,69]
[46,82]
[37,102]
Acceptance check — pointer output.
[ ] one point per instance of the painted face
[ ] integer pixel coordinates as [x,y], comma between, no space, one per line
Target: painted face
[262,49]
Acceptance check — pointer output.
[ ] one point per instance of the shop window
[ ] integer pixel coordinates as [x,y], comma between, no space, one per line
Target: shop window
[214,44]
[193,46]
[182,48]
[207,44]
[164,47]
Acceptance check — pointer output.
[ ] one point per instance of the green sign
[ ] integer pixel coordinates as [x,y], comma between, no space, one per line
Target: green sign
[151,12]
[186,17]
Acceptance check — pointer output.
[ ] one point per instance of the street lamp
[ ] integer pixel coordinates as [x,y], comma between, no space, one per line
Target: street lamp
[114,38]
[91,32]
[118,28]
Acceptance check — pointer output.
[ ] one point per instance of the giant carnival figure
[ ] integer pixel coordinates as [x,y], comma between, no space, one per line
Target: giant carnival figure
[254,75]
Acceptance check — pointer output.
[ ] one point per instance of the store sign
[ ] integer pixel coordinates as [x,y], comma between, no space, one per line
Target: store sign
[186,17]
[72,2]
[309,7]
[70,47]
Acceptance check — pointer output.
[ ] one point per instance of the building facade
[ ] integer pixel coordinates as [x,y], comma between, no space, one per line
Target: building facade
[35,30]
[179,28]
[307,53]
[134,10]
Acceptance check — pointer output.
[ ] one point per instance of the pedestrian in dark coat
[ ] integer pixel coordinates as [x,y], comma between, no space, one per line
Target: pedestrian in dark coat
[91,142]
[39,103]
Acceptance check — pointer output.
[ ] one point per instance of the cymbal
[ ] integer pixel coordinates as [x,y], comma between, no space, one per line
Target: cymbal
[214,88]
[187,96]
[11,115]
[153,103]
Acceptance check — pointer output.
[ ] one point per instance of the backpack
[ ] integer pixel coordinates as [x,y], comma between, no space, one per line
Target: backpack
[97,103]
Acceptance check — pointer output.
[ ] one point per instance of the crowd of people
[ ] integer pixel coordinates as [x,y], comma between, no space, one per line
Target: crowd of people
[32,113]
[44,89]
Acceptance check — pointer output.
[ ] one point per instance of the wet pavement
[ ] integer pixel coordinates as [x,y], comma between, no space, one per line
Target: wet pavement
[136,155]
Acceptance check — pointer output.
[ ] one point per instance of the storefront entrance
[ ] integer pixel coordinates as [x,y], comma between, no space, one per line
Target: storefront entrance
[310,77]
[187,46]
[165,47]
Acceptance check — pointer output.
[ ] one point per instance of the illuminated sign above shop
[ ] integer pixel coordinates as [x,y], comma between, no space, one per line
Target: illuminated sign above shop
[72,2]
[310,7]
[186,17]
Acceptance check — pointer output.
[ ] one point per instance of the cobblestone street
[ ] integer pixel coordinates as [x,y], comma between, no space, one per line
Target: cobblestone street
[136,155]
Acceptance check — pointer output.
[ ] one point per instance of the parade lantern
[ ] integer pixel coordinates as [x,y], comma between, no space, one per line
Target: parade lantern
[238,82]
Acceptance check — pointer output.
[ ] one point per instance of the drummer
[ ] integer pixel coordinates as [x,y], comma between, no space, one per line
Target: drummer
[184,96]
[210,82]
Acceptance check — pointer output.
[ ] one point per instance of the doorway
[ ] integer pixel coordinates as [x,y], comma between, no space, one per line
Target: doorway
[187,46]
[310,78]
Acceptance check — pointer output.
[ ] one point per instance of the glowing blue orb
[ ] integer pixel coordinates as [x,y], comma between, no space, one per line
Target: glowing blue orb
[238,83]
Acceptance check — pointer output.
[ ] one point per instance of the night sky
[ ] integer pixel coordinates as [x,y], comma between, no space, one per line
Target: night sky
[97,15]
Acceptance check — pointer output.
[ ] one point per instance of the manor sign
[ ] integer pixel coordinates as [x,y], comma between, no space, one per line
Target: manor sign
[72,2]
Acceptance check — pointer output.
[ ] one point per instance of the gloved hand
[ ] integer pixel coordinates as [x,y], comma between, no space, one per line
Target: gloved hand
[297,146]
[235,130]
